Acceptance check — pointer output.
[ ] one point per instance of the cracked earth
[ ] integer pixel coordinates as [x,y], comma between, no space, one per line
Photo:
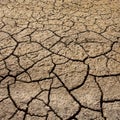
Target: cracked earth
[59,59]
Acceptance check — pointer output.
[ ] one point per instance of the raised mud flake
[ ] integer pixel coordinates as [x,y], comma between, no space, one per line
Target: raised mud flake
[62,103]
[88,94]
[71,73]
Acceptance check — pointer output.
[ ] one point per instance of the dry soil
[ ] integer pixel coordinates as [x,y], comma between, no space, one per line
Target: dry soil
[59,59]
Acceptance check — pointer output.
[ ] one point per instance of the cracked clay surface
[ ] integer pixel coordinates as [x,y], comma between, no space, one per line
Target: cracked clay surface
[59,59]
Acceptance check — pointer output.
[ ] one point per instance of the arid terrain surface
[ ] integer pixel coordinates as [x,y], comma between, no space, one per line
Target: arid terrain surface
[59,59]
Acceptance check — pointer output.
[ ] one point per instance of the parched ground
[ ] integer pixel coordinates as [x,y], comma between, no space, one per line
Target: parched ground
[59,59]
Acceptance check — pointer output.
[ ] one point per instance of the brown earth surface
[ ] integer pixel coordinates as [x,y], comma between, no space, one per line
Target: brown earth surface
[59,59]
